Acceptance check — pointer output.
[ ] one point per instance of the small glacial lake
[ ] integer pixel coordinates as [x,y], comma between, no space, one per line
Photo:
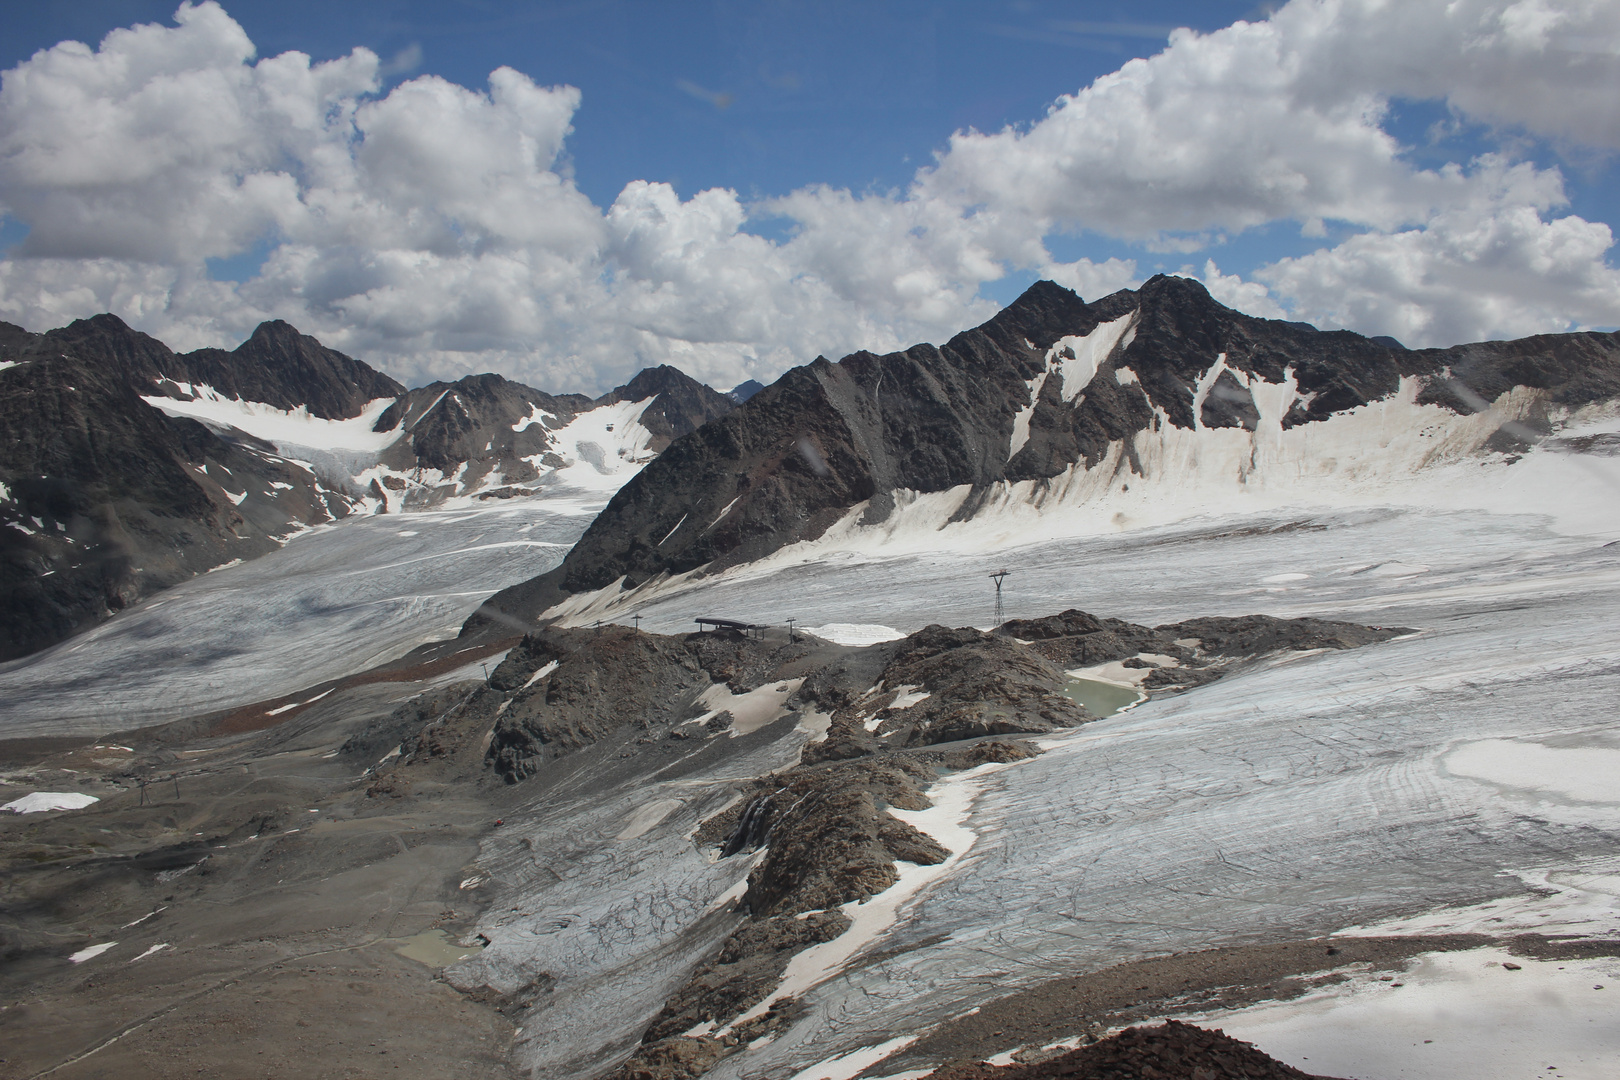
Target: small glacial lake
[1100,698]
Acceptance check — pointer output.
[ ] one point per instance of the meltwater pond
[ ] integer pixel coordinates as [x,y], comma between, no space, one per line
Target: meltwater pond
[1100,698]
[334,600]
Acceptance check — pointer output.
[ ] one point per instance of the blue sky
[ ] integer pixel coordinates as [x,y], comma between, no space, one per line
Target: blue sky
[850,94]
[1392,173]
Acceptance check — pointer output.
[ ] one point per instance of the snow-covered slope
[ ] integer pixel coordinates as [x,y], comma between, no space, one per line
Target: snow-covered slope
[287,429]
[594,450]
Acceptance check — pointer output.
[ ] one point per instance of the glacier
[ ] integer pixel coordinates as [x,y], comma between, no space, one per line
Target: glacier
[1306,795]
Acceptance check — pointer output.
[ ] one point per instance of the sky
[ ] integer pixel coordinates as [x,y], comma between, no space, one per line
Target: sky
[566,192]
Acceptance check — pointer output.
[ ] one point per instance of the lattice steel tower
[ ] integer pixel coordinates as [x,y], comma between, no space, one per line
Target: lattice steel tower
[998,577]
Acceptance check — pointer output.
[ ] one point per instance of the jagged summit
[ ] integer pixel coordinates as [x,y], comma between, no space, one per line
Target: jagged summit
[1052,389]
[680,404]
[279,366]
[745,390]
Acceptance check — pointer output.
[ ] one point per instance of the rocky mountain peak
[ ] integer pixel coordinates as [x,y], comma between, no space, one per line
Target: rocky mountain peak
[745,390]
[275,333]
[124,352]
[14,340]
[680,403]
[282,367]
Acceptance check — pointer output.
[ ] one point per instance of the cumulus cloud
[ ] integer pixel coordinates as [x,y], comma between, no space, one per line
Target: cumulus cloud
[1503,272]
[431,231]
[165,145]
[1234,292]
[1547,67]
[1283,119]
[1094,279]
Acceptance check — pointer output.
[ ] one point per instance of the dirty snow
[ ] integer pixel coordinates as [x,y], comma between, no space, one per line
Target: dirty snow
[1449,1016]
[40,802]
[91,953]
[855,633]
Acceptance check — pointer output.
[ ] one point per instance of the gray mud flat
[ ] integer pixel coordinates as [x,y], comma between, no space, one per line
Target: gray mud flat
[259,913]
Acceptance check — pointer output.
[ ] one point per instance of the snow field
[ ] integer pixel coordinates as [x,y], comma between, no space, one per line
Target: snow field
[1392,453]
[40,802]
[333,600]
[1449,1016]
[602,448]
[1313,790]
[287,429]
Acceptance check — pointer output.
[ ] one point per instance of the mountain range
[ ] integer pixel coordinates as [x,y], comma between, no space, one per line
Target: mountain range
[127,467]
[1057,400]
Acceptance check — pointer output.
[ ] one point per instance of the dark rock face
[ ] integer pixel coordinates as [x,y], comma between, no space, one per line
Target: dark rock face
[106,500]
[680,403]
[474,421]
[1191,653]
[571,689]
[990,405]
[744,390]
[1170,1049]
[978,684]
[281,367]
[277,365]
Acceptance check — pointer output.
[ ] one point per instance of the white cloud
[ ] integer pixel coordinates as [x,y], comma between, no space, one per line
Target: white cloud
[431,231]
[1466,276]
[164,145]
[1548,67]
[1283,119]
[1092,280]
[1247,296]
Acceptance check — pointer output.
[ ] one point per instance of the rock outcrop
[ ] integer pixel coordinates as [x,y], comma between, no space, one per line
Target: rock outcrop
[488,435]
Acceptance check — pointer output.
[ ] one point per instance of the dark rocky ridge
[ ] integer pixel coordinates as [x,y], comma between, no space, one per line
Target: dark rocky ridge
[827,437]
[1171,1050]
[276,365]
[744,390]
[471,421]
[279,366]
[566,690]
[680,403]
[129,501]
